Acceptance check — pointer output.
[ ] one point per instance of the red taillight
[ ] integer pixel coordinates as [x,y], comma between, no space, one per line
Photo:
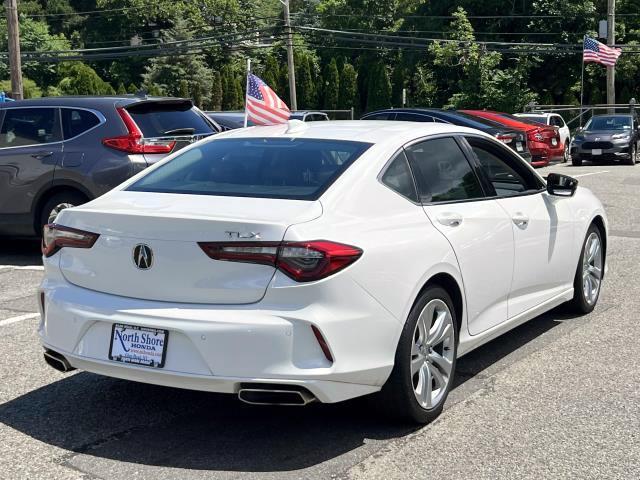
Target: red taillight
[505,138]
[55,237]
[133,142]
[302,261]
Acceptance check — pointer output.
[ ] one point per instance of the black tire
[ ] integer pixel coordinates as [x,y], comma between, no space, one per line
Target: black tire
[576,161]
[579,303]
[57,200]
[397,397]
[633,154]
[567,154]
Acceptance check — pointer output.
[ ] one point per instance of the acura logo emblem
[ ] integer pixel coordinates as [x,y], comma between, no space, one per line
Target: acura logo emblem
[142,256]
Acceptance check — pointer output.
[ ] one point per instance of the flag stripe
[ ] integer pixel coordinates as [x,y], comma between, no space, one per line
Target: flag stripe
[263,106]
[594,51]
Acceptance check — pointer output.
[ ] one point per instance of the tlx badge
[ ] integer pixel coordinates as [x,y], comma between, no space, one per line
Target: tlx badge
[243,235]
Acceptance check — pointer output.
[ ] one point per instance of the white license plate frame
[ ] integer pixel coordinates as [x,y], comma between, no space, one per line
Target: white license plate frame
[137,345]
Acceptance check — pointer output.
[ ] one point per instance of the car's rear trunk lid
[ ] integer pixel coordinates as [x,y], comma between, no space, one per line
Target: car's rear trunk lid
[175,269]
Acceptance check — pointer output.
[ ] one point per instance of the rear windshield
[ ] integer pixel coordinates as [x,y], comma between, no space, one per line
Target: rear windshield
[466,120]
[168,119]
[299,169]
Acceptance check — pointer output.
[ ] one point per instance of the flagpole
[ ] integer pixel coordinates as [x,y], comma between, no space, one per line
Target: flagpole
[582,82]
[246,93]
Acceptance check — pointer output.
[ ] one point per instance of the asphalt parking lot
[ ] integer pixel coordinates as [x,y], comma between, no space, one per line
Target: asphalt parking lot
[559,397]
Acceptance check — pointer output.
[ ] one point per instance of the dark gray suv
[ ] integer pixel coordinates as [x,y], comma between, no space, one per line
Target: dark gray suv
[59,152]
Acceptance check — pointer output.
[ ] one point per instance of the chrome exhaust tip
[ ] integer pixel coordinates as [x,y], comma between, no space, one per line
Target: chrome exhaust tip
[57,361]
[283,395]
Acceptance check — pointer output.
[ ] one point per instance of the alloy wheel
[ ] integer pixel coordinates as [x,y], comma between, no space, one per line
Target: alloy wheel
[567,155]
[56,210]
[592,268]
[432,354]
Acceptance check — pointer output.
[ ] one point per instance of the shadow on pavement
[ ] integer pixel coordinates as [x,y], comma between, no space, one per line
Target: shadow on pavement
[151,425]
[20,252]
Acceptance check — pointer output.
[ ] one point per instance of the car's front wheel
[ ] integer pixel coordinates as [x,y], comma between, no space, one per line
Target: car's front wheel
[567,152]
[588,278]
[425,359]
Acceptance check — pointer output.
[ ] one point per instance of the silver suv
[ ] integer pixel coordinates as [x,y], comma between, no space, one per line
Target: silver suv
[58,152]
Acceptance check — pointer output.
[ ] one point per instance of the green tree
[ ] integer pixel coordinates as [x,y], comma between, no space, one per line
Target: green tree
[29,88]
[215,98]
[132,89]
[171,73]
[307,95]
[331,85]
[348,92]
[398,83]
[80,79]
[378,87]
[121,90]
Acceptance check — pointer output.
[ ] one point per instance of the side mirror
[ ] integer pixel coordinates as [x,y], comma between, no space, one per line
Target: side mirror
[561,185]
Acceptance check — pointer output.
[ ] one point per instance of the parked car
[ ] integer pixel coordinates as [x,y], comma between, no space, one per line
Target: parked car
[515,139]
[317,263]
[554,120]
[233,120]
[57,152]
[543,140]
[607,137]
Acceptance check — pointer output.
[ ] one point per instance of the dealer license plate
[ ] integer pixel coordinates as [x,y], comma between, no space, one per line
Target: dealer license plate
[597,151]
[554,141]
[519,147]
[138,345]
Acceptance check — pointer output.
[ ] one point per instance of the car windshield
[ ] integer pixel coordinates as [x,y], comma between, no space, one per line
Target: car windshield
[615,122]
[292,168]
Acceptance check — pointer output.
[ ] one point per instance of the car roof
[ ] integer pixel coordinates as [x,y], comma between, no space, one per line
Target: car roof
[612,115]
[87,101]
[536,114]
[368,131]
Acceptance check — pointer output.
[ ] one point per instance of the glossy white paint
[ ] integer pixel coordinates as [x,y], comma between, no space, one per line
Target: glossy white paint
[555,120]
[231,323]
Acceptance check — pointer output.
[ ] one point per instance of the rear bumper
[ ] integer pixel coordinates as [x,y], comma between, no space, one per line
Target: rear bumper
[217,348]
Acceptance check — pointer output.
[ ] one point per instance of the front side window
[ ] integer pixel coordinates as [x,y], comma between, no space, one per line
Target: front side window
[296,168]
[507,175]
[442,172]
[29,126]
[75,122]
[398,177]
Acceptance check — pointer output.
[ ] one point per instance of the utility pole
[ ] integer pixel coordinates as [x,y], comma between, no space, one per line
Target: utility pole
[611,40]
[292,71]
[14,48]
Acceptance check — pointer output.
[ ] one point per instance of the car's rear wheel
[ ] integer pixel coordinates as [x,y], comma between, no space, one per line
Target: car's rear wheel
[425,360]
[588,278]
[58,202]
[633,155]
[567,153]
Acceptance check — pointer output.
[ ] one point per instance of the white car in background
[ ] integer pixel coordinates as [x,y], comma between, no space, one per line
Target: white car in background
[554,120]
[319,261]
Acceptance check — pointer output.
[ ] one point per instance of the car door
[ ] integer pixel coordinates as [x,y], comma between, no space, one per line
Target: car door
[542,228]
[478,229]
[30,148]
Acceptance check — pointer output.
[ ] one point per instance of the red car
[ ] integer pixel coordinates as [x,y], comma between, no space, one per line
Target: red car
[543,140]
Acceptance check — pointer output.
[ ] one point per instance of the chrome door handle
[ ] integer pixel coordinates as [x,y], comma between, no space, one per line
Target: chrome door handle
[449,219]
[41,155]
[521,220]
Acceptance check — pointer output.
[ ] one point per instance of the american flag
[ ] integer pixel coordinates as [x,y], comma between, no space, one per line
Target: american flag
[263,106]
[594,51]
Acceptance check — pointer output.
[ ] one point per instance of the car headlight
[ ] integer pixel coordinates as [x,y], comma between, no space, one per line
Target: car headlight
[620,136]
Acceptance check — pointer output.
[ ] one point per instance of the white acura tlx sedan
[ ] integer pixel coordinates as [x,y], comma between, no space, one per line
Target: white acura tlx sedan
[317,262]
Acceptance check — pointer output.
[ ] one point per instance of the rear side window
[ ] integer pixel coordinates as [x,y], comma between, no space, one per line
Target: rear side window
[398,177]
[413,117]
[75,122]
[442,172]
[29,126]
[299,169]
[168,119]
